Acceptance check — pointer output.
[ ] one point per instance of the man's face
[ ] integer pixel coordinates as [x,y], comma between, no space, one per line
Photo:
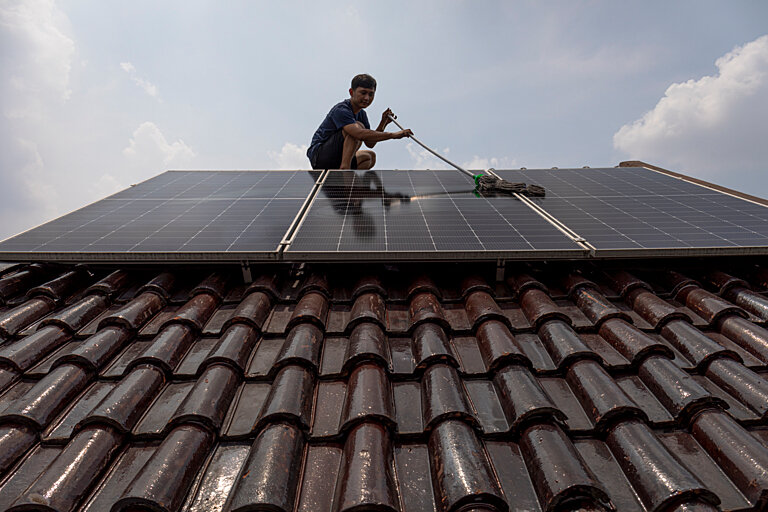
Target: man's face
[362,96]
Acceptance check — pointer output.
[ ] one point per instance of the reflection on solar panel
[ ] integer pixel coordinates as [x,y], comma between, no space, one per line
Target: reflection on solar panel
[179,212]
[620,209]
[388,213]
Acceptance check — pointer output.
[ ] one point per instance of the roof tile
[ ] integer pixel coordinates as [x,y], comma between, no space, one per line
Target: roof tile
[290,397]
[312,307]
[595,306]
[693,344]
[163,481]
[20,281]
[65,481]
[253,310]
[431,344]
[368,307]
[480,307]
[270,476]
[368,397]
[564,345]
[48,397]
[632,343]
[559,474]
[497,345]
[750,337]
[523,398]
[110,285]
[207,402]
[635,447]
[366,477]
[367,342]
[26,352]
[78,315]
[678,391]
[443,396]
[128,400]
[302,346]
[600,396]
[737,452]
[425,307]
[167,348]
[12,322]
[744,384]
[461,471]
[195,313]
[61,287]
[134,314]
[539,308]
[15,440]
[234,347]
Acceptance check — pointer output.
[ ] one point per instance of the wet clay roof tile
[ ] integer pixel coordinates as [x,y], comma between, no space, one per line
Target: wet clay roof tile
[64,483]
[253,310]
[557,470]
[78,315]
[498,346]
[312,308]
[168,474]
[127,401]
[15,320]
[270,476]
[539,307]
[368,307]
[635,447]
[234,347]
[461,471]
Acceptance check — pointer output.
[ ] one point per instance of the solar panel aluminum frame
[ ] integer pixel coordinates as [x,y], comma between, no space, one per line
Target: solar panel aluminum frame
[140,257]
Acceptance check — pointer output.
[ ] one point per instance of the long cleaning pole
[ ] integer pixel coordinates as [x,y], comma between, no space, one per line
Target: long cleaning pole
[438,155]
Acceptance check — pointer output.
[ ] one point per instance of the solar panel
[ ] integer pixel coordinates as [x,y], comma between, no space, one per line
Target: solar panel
[644,211]
[420,214]
[176,215]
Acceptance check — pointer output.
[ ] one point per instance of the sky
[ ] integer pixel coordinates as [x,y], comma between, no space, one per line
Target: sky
[98,95]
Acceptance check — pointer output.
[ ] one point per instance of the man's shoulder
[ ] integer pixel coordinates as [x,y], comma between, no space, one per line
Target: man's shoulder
[342,105]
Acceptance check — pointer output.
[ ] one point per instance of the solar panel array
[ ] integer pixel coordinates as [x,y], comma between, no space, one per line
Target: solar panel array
[336,215]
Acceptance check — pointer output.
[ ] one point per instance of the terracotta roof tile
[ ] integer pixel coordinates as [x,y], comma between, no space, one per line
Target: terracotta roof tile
[340,392]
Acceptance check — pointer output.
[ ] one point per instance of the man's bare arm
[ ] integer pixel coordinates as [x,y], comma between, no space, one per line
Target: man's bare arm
[373,136]
[385,120]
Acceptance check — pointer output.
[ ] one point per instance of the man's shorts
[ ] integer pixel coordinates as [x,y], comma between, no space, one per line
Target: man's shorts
[328,154]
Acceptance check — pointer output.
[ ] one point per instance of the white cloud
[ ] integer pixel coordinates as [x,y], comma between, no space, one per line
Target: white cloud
[149,150]
[290,156]
[146,85]
[423,159]
[38,68]
[714,126]
[482,164]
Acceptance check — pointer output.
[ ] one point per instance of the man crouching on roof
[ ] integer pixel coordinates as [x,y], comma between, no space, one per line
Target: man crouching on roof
[336,143]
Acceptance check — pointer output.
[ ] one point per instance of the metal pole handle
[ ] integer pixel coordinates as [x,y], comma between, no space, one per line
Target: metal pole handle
[438,155]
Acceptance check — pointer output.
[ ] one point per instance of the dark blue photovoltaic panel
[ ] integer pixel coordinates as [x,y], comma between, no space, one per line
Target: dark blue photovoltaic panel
[419,212]
[179,212]
[636,208]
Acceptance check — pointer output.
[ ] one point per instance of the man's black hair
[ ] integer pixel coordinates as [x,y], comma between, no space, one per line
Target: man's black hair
[364,80]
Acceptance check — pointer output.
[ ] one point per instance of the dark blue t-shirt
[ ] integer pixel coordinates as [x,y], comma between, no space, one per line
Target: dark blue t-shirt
[340,116]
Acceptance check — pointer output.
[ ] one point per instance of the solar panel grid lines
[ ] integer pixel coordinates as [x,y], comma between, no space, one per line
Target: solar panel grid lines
[203,213]
[401,214]
[639,210]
